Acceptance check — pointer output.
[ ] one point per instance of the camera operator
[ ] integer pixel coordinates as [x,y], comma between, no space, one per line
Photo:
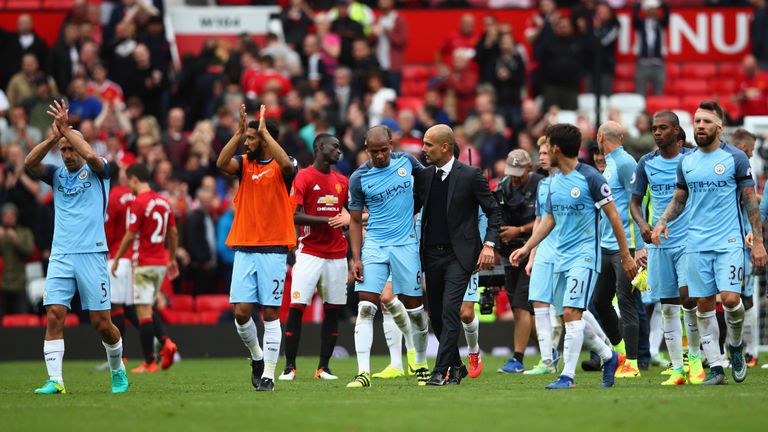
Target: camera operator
[516,195]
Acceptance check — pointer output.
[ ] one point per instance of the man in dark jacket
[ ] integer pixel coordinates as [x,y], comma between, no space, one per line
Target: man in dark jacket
[562,66]
[760,33]
[200,243]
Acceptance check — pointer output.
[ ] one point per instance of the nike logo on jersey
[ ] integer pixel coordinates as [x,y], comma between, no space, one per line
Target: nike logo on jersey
[258,176]
[653,173]
[689,171]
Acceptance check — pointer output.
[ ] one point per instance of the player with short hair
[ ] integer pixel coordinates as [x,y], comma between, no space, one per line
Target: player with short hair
[320,195]
[577,194]
[261,235]
[667,269]
[151,224]
[745,141]
[541,267]
[710,180]
[78,260]
[384,185]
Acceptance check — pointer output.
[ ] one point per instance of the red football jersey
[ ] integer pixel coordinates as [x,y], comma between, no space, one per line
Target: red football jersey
[120,198]
[321,195]
[150,217]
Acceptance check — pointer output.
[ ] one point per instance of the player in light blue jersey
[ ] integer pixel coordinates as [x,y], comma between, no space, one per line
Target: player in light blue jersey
[385,187]
[78,260]
[667,270]
[745,141]
[541,267]
[612,282]
[710,181]
[576,196]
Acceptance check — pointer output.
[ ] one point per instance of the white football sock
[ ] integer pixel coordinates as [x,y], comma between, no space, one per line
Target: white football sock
[557,326]
[114,354]
[673,333]
[250,338]
[734,322]
[692,330]
[593,341]
[53,353]
[544,333]
[656,332]
[574,338]
[364,335]
[419,333]
[472,333]
[272,337]
[595,326]
[394,338]
[751,332]
[400,317]
[710,337]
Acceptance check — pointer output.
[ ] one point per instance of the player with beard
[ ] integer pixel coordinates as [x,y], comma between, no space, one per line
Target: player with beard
[711,180]
[262,234]
[320,195]
[667,270]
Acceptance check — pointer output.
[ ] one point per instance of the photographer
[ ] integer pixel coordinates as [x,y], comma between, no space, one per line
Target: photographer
[516,195]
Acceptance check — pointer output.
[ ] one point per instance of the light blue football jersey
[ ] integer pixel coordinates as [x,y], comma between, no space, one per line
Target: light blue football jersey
[656,176]
[620,174]
[713,181]
[388,195]
[80,202]
[575,201]
[547,250]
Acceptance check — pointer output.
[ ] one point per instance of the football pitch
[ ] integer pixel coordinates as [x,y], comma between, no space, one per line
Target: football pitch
[216,394]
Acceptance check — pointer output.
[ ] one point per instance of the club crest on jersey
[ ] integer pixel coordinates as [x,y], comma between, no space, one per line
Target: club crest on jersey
[402,172]
[719,169]
[632,180]
[338,188]
[328,200]
[605,190]
[607,174]
[83,175]
[575,192]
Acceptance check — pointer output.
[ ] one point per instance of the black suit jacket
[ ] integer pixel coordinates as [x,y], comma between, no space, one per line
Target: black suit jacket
[195,241]
[467,189]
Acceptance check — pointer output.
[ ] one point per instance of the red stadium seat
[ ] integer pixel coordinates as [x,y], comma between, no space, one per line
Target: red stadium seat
[732,109]
[731,70]
[414,88]
[624,86]
[692,101]
[725,87]
[21,320]
[57,4]
[181,317]
[209,317]
[212,302]
[699,70]
[662,103]
[414,104]
[71,320]
[415,73]
[685,87]
[625,71]
[673,70]
[183,302]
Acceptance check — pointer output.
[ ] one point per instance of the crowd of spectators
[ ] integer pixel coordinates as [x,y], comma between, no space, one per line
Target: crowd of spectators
[337,67]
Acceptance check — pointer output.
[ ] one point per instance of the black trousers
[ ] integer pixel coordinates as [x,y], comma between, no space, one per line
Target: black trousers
[446,285]
[611,282]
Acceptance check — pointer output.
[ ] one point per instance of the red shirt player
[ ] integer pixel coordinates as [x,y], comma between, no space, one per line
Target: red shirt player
[150,218]
[321,197]
[120,197]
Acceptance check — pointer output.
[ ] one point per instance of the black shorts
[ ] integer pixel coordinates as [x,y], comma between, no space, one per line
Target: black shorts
[516,283]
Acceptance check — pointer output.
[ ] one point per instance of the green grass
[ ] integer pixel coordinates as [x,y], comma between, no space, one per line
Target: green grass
[217,394]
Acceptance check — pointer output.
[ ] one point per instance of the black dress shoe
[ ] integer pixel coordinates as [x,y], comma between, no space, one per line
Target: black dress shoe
[456,374]
[437,379]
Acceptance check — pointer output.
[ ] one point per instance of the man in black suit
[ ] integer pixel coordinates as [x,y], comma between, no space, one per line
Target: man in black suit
[200,243]
[451,249]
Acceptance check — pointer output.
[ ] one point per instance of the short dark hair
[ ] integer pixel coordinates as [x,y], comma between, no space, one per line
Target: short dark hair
[741,135]
[681,136]
[272,127]
[322,138]
[713,106]
[673,118]
[138,170]
[373,130]
[565,136]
